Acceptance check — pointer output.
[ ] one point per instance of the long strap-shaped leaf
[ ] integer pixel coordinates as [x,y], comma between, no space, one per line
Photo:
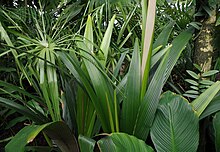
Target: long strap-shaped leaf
[213,107]
[150,102]
[147,49]
[101,84]
[163,37]
[131,100]
[36,117]
[205,98]
[178,45]
[5,37]
[106,40]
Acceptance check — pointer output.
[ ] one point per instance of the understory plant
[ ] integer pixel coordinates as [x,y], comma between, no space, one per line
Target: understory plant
[199,82]
[79,92]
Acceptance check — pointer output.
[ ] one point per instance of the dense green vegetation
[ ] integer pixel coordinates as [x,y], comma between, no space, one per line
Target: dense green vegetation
[109,76]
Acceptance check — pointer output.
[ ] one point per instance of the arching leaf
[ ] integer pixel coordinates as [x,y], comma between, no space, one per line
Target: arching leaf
[57,131]
[121,142]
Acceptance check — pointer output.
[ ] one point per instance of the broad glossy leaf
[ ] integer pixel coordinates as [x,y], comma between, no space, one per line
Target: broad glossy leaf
[86,144]
[121,142]
[62,136]
[176,125]
[106,145]
[64,139]
[23,137]
[41,149]
[205,98]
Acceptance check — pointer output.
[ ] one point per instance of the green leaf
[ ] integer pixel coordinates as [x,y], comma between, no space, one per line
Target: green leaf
[118,66]
[41,149]
[205,98]
[203,86]
[217,22]
[15,121]
[106,145]
[86,114]
[190,95]
[216,126]
[86,144]
[163,37]
[192,82]
[197,67]
[213,107]
[192,74]
[131,100]
[36,117]
[192,92]
[176,126]
[178,45]
[103,101]
[209,73]
[156,50]
[196,25]
[23,137]
[147,39]
[206,82]
[159,55]
[125,24]
[194,87]
[65,141]
[150,102]
[123,142]
[106,40]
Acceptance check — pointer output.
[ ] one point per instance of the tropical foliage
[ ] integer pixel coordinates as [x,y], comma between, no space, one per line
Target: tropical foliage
[90,76]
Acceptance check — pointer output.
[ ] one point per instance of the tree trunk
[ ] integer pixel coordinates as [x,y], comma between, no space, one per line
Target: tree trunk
[204,46]
[203,56]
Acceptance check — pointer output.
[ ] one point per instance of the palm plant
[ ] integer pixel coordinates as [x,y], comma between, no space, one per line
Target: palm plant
[78,65]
